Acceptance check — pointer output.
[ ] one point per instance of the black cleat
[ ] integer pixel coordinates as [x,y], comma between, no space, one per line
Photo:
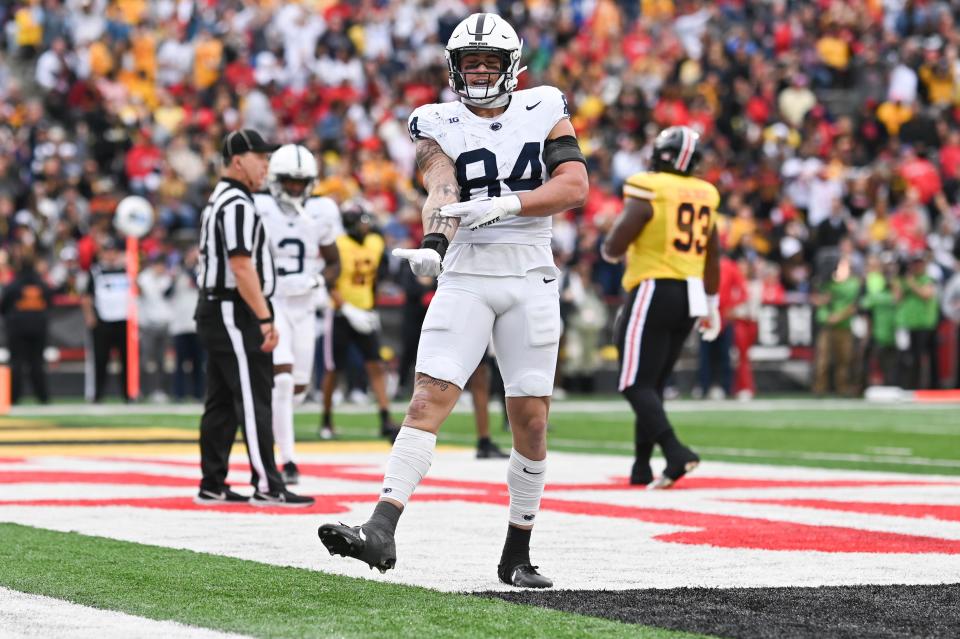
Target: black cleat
[676,468]
[281,499]
[523,576]
[225,497]
[489,450]
[291,474]
[373,546]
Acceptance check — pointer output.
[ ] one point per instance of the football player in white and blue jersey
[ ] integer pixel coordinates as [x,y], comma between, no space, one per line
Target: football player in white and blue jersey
[497,164]
[302,232]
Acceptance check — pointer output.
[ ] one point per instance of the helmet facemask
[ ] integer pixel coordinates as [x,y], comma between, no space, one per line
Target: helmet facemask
[292,190]
[292,176]
[504,79]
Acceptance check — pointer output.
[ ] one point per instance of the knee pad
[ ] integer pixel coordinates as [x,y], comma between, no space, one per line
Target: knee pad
[530,385]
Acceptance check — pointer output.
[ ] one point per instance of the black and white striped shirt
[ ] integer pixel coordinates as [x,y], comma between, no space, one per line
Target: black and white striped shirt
[231,226]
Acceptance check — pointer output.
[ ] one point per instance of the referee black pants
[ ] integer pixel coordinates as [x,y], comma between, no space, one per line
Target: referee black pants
[108,336]
[239,393]
[650,330]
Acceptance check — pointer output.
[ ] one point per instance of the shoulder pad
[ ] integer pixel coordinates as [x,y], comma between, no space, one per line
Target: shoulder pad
[426,122]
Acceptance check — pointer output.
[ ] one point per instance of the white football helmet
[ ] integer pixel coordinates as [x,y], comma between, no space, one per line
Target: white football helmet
[293,162]
[484,32]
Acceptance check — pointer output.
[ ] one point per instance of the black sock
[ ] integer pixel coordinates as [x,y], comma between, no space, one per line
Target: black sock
[516,549]
[384,416]
[483,442]
[385,515]
[328,420]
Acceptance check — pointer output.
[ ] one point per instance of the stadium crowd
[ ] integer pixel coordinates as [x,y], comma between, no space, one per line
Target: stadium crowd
[831,128]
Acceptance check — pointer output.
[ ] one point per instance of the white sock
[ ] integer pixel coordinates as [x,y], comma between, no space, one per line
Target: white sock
[299,398]
[283,415]
[409,461]
[525,479]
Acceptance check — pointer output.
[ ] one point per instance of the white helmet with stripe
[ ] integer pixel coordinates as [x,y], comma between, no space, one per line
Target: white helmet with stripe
[484,33]
[676,150]
[291,164]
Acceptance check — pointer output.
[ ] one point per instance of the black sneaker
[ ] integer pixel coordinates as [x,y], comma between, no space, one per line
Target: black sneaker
[225,497]
[489,450]
[371,545]
[523,576]
[291,474]
[676,468]
[280,498]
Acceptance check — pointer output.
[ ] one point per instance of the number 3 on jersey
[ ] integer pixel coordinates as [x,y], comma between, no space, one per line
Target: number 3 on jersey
[692,228]
[300,252]
[526,175]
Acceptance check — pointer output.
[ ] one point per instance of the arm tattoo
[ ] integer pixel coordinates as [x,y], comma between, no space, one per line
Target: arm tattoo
[437,223]
[440,179]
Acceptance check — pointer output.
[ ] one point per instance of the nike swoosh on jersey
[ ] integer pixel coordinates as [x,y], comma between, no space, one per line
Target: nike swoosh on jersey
[546,281]
[534,106]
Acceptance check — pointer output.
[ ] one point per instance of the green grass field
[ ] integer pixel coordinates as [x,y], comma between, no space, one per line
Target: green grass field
[267,601]
[885,438]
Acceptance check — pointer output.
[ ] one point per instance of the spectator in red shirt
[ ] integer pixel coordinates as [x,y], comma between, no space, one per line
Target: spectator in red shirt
[143,160]
[908,224]
[921,174]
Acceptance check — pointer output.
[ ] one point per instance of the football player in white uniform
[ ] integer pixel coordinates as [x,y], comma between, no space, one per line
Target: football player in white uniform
[302,232]
[497,164]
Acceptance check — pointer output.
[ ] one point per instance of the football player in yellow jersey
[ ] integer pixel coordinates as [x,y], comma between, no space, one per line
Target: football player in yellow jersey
[351,319]
[668,234]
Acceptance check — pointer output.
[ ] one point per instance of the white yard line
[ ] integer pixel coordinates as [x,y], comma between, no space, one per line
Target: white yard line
[26,616]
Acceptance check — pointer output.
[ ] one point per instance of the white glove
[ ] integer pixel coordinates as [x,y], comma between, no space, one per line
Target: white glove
[423,262]
[476,214]
[362,321]
[709,326]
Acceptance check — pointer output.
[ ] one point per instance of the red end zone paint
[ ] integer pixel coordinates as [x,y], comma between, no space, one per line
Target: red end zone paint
[700,529]
[71,477]
[916,511]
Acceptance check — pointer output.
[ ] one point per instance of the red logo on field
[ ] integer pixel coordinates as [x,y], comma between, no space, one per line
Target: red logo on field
[701,529]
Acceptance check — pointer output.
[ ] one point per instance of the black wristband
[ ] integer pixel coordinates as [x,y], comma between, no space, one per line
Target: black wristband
[436,241]
[268,320]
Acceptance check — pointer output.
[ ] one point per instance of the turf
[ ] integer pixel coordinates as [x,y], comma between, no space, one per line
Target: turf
[871,438]
[267,601]
[844,612]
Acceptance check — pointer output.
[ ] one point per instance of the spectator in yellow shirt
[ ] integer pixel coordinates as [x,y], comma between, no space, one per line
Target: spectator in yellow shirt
[834,54]
[894,114]
[143,44]
[207,58]
[29,28]
[937,79]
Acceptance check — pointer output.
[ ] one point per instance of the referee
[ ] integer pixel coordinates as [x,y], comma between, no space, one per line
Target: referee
[235,325]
